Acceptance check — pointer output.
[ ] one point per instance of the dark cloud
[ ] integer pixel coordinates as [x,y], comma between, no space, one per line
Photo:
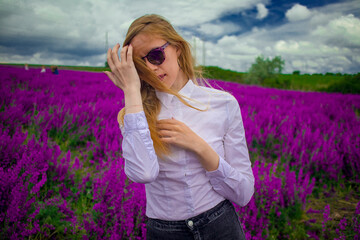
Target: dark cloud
[73,33]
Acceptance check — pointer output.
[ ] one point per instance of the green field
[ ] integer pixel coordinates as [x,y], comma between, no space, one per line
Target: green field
[304,82]
[344,83]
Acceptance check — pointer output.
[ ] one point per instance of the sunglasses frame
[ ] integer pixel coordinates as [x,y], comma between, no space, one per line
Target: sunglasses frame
[162,48]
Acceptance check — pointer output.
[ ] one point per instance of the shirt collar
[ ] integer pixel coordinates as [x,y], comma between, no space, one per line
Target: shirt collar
[166,98]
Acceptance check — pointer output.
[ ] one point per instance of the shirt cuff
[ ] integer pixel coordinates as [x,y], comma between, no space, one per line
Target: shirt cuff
[219,174]
[135,121]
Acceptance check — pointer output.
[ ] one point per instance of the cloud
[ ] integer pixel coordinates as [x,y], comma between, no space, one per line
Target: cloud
[299,48]
[218,29]
[322,39]
[342,31]
[262,11]
[297,13]
[76,30]
[326,41]
[314,57]
[231,52]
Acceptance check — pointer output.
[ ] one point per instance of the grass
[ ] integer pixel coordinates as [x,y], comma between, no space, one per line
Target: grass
[309,82]
[342,204]
[212,72]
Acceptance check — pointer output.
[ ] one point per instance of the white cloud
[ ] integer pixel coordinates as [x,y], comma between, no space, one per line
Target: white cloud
[234,45]
[297,13]
[296,48]
[218,29]
[328,40]
[342,31]
[323,39]
[84,23]
[230,52]
[262,11]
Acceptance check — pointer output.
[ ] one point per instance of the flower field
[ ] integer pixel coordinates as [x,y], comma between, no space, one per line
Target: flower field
[61,168]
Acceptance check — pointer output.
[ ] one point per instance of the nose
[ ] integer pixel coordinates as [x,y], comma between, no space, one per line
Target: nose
[151,66]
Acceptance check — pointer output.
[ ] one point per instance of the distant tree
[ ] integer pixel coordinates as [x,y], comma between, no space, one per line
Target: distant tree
[349,84]
[264,68]
[106,64]
[297,72]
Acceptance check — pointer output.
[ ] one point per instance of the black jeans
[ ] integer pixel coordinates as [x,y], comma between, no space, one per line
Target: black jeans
[220,222]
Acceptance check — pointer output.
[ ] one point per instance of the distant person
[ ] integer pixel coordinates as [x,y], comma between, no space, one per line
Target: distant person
[43,69]
[54,70]
[185,142]
[26,67]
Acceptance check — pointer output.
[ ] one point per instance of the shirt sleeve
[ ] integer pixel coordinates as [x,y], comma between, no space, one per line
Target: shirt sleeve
[141,163]
[234,178]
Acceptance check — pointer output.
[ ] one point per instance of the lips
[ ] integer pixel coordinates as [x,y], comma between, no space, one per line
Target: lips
[161,77]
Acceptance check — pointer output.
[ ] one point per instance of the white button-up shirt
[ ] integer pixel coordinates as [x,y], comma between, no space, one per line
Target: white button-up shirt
[178,187]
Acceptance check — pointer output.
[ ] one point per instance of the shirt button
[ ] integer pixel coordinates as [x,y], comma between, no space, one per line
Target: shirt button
[190,223]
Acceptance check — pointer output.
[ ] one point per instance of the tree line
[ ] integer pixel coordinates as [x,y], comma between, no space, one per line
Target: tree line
[265,70]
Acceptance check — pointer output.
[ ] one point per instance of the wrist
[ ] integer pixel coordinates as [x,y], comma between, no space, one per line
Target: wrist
[131,91]
[200,147]
[207,156]
[133,108]
[132,97]
[133,101]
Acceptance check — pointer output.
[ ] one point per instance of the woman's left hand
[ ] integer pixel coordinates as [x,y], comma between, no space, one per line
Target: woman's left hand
[174,132]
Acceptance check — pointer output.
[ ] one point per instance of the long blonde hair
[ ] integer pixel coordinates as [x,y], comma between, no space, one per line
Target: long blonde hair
[156,25]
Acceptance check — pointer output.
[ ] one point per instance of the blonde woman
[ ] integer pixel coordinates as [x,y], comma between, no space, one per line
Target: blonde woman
[185,142]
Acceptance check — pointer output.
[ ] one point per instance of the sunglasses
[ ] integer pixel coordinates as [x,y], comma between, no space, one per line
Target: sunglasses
[157,55]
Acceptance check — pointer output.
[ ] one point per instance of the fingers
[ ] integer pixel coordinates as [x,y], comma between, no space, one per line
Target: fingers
[126,55]
[111,76]
[168,121]
[123,53]
[170,125]
[114,55]
[109,59]
[130,54]
[165,133]
[123,72]
[167,136]
[163,126]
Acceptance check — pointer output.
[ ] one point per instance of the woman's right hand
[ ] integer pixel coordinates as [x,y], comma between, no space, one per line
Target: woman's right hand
[123,72]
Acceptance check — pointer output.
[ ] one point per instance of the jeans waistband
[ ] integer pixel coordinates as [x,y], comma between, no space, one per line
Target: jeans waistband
[201,219]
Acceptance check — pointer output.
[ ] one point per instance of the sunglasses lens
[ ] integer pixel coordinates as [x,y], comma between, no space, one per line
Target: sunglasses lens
[156,57]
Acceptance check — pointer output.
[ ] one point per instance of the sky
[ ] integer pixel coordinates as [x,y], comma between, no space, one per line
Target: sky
[312,36]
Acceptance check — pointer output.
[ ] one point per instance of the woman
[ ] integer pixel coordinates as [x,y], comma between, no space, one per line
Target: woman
[185,142]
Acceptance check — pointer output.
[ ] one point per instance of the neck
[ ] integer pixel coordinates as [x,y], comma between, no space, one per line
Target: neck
[181,81]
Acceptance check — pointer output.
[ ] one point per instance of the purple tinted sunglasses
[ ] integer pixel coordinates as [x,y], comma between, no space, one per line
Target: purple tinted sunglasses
[157,55]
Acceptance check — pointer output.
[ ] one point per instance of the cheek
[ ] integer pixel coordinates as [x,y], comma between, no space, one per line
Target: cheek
[174,66]
[173,60]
